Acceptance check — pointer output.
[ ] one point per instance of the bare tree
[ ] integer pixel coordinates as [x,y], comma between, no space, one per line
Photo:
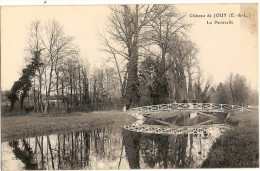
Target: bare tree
[164,29]
[111,50]
[35,47]
[161,36]
[126,24]
[201,88]
[57,45]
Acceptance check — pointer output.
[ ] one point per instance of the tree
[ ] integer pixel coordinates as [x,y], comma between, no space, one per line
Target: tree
[223,95]
[34,47]
[201,94]
[253,97]
[147,74]
[20,88]
[212,95]
[234,91]
[126,26]
[177,58]
[165,28]
[85,80]
[12,96]
[192,66]
[110,50]
[57,46]
[239,89]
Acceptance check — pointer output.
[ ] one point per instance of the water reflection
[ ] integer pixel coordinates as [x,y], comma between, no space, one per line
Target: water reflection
[25,154]
[109,148]
[167,151]
[184,119]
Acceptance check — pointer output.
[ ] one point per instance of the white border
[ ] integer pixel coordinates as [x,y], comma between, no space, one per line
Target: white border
[102,2]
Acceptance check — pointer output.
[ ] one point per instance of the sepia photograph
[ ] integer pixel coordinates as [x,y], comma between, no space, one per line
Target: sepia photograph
[129,86]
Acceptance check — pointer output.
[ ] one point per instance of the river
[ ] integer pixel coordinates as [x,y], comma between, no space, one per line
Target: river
[112,147]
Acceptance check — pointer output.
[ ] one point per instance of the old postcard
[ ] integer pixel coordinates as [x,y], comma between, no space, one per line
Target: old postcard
[129,86]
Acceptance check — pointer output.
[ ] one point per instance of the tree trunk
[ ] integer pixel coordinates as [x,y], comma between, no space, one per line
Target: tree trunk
[80,93]
[132,96]
[62,91]
[34,96]
[162,83]
[190,91]
[132,86]
[48,90]
[40,92]
[231,89]
[183,85]
[71,92]
[12,105]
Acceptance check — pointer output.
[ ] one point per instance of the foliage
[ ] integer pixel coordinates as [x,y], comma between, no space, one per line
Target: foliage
[239,89]
[22,86]
[234,91]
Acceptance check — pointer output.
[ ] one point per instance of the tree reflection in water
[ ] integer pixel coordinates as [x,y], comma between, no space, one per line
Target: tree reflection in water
[131,141]
[79,150]
[112,148]
[166,151]
[24,153]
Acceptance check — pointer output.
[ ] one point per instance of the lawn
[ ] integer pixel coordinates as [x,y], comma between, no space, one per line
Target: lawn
[14,127]
[239,147]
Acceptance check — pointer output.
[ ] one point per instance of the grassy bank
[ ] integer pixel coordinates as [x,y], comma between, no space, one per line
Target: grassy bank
[238,147]
[14,127]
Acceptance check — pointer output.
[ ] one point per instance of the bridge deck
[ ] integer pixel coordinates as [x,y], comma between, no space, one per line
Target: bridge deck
[204,107]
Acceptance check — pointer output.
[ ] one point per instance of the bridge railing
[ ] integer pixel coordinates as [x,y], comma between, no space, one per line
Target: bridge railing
[186,106]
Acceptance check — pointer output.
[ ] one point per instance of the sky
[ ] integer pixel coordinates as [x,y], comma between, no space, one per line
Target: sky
[223,48]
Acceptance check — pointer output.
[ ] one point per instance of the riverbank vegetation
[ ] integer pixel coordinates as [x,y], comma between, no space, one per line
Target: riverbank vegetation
[15,127]
[239,147]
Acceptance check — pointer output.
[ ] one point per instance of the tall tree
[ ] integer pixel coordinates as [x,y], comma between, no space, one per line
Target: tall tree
[178,54]
[126,26]
[57,44]
[21,88]
[239,89]
[164,30]
[34,48]
[191,67]
[223,95]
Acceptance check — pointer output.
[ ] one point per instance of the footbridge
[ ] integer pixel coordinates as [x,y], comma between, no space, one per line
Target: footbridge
[142,113]
[203,107]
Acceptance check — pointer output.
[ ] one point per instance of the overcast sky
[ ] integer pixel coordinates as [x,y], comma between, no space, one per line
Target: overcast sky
[223,48]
